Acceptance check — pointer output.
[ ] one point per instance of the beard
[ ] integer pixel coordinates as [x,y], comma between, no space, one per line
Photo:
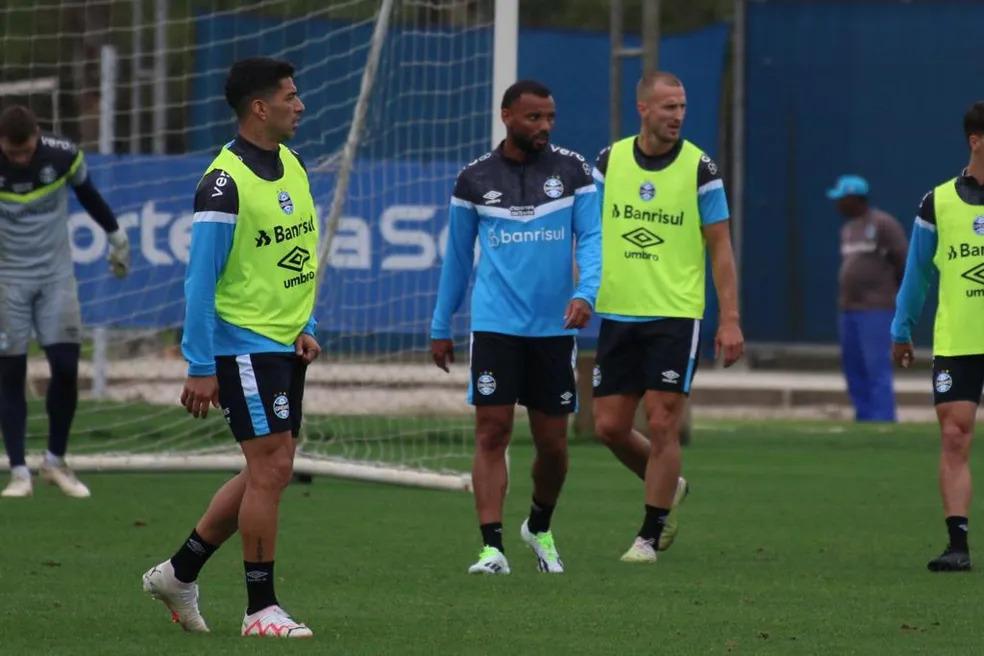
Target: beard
[526,143]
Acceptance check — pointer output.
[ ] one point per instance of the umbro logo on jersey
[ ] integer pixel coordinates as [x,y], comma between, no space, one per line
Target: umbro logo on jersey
[492,197]
[295,259]
[566,398]
[642,238]
[975,275]
[670,376]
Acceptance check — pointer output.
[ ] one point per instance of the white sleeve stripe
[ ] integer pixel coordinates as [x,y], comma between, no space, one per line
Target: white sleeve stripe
[710,186]
[922,223]
[598,175]
[586,189]
[214,217]
[461,202]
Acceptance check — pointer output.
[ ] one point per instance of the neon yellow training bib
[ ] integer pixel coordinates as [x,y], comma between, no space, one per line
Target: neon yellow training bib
[652,247]
[268,284]
[959,327]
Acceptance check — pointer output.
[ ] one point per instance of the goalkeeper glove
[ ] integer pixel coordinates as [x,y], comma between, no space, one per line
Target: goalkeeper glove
[119,253]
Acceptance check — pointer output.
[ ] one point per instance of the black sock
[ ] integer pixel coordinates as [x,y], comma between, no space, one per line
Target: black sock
[63,394]
[259,586]
[540,514]
[957,528]
[13,406]
[492,535]
[653,524]
[191,557]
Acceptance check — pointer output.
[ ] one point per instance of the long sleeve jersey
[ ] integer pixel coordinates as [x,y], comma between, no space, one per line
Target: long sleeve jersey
[919,268]
[532,220]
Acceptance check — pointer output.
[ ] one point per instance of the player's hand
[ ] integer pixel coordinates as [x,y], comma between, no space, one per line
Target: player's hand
[442,350]
[903,354]
[119,253]
[729,342]
[306,347]
[198,392]
[577,314]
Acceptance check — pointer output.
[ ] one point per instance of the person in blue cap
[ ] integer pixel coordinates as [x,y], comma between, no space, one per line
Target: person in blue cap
[873,253]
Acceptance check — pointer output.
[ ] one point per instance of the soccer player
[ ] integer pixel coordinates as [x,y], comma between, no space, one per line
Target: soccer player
[663,204]
[38,288]
[949,235]
[248,337]
[533,206]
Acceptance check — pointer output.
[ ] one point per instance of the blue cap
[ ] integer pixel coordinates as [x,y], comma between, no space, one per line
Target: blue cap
[848,185]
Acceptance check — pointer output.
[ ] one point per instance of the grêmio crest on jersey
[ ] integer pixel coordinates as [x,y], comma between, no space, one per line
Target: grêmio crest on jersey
[286,204]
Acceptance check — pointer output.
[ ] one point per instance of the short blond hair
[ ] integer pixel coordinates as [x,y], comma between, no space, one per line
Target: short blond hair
[649,80]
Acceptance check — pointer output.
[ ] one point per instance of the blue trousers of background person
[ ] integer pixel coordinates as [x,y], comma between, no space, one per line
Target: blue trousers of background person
[866,356]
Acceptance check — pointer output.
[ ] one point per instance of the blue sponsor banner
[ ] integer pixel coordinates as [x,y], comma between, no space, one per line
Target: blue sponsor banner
[384,268]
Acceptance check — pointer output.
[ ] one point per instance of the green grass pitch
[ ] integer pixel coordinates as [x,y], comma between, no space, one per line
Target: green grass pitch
[798,538]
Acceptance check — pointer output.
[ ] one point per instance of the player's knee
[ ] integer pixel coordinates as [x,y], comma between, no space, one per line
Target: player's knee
[13,373]
[554,450]
[611,431]
[955,439]
[64,362]
[492,435]
[274,472]
[663,427]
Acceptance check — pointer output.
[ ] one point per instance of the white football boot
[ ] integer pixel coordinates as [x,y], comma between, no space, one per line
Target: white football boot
[641,551]
[20,484]
[542,544]
[274,622]
[672,524]
[490,561]
[180,598]
[62,476]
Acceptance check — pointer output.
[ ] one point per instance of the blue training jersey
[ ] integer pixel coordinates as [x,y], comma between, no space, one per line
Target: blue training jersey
[532,219]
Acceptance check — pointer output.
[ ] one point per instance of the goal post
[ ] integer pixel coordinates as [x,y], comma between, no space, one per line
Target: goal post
[398,96]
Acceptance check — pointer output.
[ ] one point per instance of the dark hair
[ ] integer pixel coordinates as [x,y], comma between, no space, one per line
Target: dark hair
[974,119]
[252,78]
[18,124]
[513,93]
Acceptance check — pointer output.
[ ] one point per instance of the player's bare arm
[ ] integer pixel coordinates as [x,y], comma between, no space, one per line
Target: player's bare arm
[729,342]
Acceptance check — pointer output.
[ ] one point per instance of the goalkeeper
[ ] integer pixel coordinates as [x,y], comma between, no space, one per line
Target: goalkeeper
[248,338]
[526,202]
[38,288]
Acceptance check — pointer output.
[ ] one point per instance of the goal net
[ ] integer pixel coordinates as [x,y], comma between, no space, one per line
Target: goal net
[398,97]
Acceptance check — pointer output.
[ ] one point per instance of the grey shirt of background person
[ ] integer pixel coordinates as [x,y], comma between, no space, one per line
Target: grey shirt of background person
[873,249]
